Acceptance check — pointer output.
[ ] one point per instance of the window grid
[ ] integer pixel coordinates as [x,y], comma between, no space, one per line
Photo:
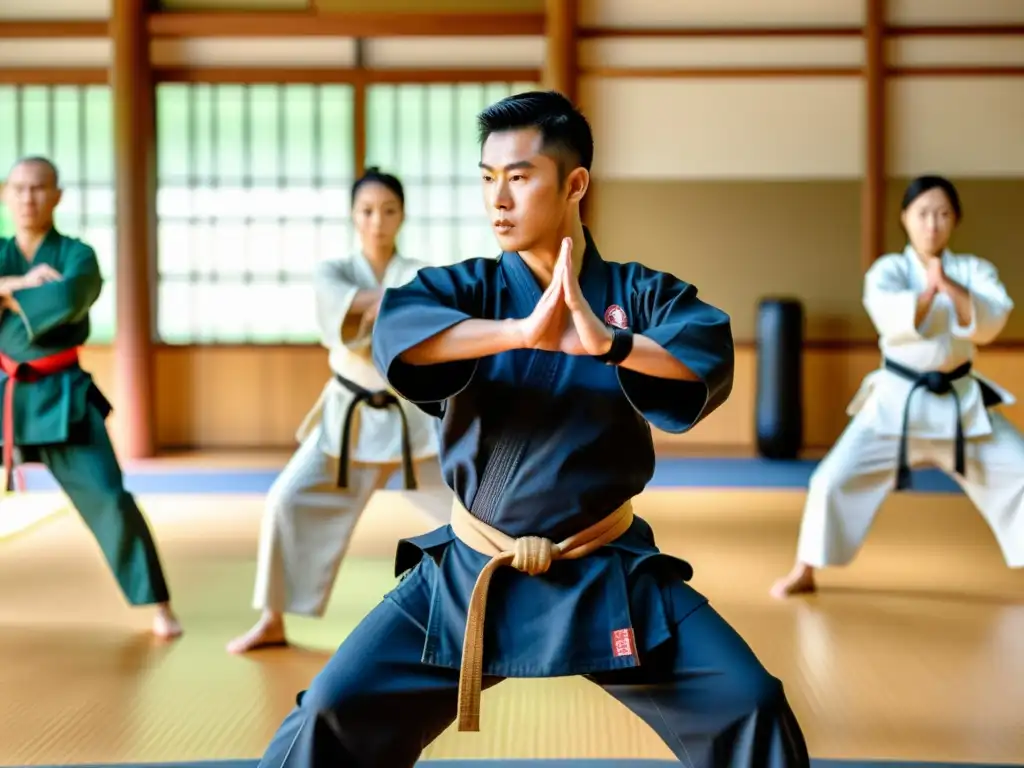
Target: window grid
[72,125]
[426,134]
[253,192]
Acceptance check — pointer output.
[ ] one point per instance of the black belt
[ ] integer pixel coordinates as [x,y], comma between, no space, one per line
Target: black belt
[377,401]
[938,383]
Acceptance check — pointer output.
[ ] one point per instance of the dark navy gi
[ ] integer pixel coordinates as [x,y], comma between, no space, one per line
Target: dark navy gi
[546,444]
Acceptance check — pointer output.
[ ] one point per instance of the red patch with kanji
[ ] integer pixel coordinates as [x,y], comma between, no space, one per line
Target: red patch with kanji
[615,316]
[623,643]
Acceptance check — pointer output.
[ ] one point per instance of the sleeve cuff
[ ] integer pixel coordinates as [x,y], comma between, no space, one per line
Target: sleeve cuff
[965,331]
[333,306]
[395,334]
[676,406]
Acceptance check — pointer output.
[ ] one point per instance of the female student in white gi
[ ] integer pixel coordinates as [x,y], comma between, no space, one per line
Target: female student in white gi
[925,405]
[352,440]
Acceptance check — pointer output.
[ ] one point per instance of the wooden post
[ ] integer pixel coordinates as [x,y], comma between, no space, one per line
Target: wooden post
[134,105]
[873,202]
[359,111]
[560,65]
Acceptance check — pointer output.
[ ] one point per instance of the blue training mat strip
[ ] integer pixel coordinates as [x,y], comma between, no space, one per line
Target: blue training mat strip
[668,473]
[551,764]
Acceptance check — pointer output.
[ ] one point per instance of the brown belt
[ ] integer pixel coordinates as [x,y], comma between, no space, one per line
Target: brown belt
[529,554]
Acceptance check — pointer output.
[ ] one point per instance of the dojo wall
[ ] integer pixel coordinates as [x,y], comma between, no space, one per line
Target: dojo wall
[749,186]
[745,185]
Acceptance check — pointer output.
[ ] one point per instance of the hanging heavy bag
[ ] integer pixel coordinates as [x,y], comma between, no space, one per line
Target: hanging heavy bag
[779,403]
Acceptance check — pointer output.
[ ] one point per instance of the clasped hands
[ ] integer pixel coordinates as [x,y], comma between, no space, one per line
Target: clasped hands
[562,321]
[936,280]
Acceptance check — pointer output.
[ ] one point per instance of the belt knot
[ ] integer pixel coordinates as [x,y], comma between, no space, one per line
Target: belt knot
[937,383]
[533,555]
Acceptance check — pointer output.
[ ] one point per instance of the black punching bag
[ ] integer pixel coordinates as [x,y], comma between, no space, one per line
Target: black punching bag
[779,409]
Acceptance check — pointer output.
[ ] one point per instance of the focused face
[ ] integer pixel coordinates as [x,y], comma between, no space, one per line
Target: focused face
[378,215]
[929,222]
[31,194]
[524,199]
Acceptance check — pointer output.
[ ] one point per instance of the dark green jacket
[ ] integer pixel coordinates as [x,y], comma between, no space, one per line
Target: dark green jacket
[53,317]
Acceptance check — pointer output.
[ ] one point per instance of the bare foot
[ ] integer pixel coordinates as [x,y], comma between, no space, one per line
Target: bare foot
[798,581]
[267,632]
[165,624]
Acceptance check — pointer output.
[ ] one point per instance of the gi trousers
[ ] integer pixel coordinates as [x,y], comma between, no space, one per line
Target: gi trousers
[87,470]
[376,705]
[852,481]
[308,523]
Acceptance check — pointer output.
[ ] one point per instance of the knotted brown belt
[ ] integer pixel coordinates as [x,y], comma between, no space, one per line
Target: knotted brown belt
[530,554]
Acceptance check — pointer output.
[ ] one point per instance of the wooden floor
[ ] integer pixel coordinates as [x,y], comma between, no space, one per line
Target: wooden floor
[916,652]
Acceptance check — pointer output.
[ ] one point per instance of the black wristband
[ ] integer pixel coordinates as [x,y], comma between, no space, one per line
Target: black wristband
[622,345]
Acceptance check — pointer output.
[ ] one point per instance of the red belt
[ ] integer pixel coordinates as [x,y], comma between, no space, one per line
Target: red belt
[27,371]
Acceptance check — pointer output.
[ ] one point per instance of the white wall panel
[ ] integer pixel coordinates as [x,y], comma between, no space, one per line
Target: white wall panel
[722,52]
[952,12]
[942,51]
[254,52]
[962,126]
[455,52]
[63,10]
[794,128]
[62,52]
[721,13]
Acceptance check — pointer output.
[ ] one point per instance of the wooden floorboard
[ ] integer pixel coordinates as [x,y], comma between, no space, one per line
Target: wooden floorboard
[916,652]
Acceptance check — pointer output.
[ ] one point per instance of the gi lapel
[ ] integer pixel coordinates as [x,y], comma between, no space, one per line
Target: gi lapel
[541,368]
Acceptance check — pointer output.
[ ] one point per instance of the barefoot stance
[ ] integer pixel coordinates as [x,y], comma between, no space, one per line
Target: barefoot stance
[799,581]
[166,625]
[268,632]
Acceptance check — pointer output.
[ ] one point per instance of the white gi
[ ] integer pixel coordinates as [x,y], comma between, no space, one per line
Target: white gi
[308,519]
[851,483]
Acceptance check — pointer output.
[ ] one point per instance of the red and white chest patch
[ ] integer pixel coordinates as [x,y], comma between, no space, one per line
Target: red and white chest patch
[623,643]
[615,316]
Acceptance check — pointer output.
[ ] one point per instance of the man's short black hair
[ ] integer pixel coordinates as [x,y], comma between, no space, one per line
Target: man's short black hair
[565,132]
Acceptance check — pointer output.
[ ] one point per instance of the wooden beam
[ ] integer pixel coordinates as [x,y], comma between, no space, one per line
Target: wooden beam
[299,23]
[53,29]
[351,75]
[597,32]
[53,76]
[980,70]
[303,23]
[133,103]
[963,30]
[671,73]
[972,30]
[873,202]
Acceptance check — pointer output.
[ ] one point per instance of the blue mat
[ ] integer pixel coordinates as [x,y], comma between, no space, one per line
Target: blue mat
[669,473]
[553,764]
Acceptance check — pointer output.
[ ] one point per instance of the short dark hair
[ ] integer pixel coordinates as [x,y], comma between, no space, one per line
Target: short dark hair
[374,175]
[565,132]
[923,184]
